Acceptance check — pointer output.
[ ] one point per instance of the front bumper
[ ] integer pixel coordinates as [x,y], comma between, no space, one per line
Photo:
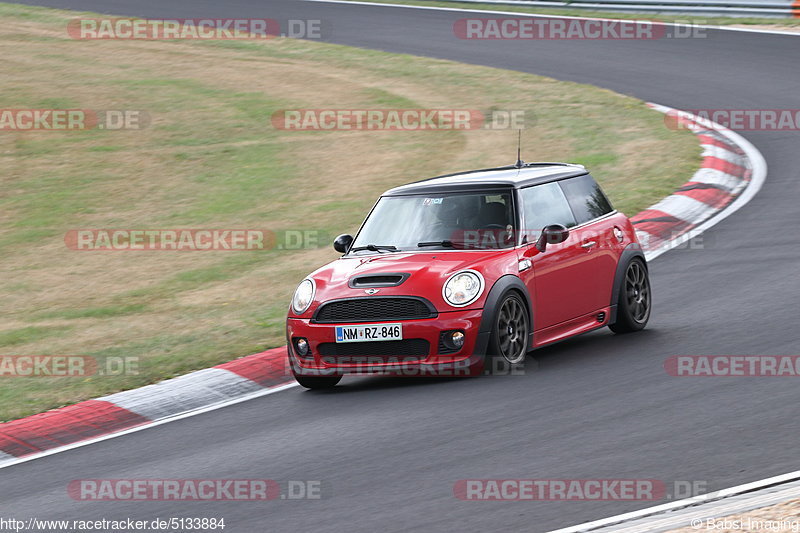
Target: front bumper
[354,358]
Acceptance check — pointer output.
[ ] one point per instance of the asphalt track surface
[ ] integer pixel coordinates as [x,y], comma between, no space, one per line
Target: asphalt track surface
[599,406]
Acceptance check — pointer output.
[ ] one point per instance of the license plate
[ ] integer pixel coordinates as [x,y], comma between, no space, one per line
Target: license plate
[364,333]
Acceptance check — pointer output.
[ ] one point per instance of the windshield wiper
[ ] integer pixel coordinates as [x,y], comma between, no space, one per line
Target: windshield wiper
[445,244]
[374,248]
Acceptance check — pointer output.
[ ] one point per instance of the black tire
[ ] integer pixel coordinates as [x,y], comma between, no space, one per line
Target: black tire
[508,343]
[317,382]
[635,299]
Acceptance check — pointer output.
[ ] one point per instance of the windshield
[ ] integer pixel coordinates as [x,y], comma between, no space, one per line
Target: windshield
[474,221]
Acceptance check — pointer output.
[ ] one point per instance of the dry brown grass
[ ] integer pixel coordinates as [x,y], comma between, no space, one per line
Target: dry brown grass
[211,159]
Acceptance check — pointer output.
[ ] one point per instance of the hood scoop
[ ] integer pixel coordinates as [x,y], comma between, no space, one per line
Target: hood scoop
[367,281]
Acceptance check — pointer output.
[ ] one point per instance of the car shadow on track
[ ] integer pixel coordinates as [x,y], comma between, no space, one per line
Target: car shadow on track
[600,343]
[591,347]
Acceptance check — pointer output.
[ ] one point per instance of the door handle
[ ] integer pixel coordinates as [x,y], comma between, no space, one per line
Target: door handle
[588,244]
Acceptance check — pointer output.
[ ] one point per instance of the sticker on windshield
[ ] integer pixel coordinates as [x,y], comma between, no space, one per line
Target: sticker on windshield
[432,201]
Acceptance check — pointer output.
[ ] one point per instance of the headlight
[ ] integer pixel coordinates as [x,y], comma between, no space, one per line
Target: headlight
[303,296]
[463,288]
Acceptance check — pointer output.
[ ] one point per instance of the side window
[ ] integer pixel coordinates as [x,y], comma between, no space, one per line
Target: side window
[543,205]
[586,198]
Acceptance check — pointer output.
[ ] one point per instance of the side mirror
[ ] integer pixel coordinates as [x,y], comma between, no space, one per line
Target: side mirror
[552,234]
[342,243]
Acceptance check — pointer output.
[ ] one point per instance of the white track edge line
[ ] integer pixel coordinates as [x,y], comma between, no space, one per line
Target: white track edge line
[148,425]
[688,502]
[539,15]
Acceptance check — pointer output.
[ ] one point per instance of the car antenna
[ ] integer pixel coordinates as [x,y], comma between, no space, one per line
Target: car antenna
[520,163]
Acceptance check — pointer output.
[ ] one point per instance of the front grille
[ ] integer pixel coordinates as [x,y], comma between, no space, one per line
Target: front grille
[406,350]
[376,309]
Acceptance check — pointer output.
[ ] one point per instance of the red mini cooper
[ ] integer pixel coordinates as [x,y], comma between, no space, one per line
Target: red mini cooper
[469,271]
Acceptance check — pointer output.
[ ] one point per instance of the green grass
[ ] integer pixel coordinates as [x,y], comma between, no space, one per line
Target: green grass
[15,337]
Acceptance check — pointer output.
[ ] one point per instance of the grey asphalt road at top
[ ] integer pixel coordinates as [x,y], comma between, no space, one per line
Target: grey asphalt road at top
[598,406]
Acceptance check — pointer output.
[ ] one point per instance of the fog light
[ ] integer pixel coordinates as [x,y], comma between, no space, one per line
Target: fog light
[457,338]
[451,341]
[302,347]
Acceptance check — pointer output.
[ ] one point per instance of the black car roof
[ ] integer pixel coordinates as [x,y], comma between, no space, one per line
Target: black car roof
[508,177]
